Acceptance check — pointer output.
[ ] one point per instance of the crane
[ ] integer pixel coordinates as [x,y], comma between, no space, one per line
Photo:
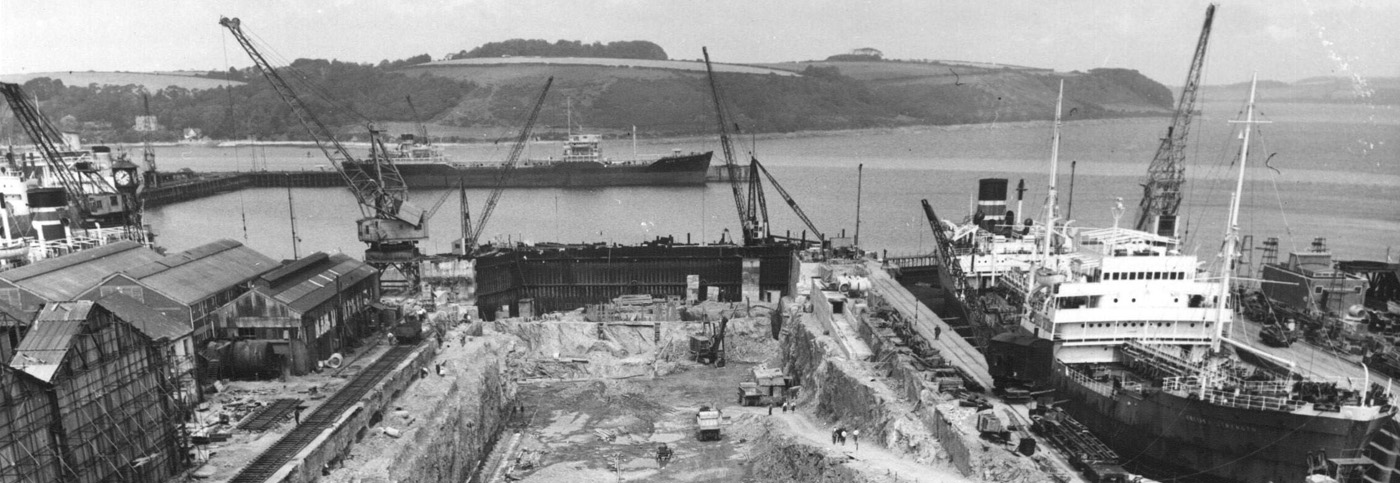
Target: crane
[95,201]
[147,123]
[748,212]
[952,275]
[391,226]
[418,121]
[1161,193]
[472,235]
[753,206]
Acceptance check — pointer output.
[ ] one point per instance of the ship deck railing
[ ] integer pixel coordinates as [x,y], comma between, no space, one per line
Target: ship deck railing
[1234,397]
[1100,387]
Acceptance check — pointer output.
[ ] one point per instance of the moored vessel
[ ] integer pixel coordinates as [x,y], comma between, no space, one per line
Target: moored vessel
[1139,353]
[582,165]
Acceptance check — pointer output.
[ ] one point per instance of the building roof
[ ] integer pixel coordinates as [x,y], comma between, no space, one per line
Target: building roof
[65,277]
[11,316]
[200,272]
[41,352]
[145,319]
[304,284]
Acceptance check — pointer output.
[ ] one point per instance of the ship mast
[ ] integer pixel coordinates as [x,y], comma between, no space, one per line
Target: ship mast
[1232,229]
[1050,196]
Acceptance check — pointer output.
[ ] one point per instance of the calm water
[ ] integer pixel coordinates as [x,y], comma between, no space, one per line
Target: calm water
[1337,178]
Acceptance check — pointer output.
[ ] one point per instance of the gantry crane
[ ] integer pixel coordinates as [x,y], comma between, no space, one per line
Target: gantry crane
[95,202]
[1161,193]
[753,207]
[472,235]
[391,225]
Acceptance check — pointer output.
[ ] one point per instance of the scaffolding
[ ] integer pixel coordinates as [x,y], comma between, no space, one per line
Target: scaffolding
[108,412]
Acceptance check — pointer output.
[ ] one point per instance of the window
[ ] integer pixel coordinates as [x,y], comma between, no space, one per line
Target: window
[10,296]
[136,293]
[1317,290]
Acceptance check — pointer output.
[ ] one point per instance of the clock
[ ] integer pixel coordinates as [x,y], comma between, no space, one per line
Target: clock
[123,177]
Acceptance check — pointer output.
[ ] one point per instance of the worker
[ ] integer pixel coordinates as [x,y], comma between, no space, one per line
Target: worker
[770,409]
[835,434]
[855,437]
[937,331]
[843,436]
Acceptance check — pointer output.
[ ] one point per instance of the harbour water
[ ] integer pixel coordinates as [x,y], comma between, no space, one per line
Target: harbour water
[1331,172]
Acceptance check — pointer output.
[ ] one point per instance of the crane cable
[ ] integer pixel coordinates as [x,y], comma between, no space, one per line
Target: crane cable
[228,88]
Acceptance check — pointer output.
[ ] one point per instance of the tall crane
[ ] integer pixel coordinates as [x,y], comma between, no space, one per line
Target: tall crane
[748,212]
[1161,193]
[95,201]
[753,206]
[391,226]
[472,235]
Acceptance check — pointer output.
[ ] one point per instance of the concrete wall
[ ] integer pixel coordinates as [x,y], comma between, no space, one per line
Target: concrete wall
[352,426]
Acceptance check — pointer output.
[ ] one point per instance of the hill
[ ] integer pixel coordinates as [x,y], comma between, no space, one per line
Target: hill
[481,97]
[1378,90]
[672,97]
[152,81]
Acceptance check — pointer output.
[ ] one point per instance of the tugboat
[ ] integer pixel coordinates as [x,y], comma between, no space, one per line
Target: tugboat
[1136,345]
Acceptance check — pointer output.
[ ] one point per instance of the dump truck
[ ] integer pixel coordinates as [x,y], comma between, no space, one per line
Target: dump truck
[707,424]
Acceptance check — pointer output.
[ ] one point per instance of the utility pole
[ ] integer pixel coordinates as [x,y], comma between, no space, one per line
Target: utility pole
[860,179]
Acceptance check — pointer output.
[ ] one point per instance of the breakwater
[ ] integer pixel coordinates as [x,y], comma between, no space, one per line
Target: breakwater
[189,185]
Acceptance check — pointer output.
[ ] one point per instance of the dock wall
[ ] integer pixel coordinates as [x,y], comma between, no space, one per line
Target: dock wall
[328,450]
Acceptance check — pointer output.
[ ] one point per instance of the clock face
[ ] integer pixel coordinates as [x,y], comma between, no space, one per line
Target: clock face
[122,177]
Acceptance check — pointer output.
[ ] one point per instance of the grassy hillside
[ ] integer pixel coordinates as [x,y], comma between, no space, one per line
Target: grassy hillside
[152,81]
[482,98]
[665,99]
[1380,90]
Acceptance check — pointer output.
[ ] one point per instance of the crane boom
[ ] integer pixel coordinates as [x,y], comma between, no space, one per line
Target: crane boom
[747,212]
[1161,193]
[376,182]
[418,119]
[506,168]
[89,193]
[788,198]
[952,274]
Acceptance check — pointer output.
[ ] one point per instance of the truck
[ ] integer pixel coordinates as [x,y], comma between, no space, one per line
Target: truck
[707,422]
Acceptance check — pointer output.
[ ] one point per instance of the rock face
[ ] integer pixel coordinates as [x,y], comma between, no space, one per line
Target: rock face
[446,424]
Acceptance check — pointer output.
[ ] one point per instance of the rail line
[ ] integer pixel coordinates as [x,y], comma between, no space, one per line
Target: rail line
[281,452]
[271,415]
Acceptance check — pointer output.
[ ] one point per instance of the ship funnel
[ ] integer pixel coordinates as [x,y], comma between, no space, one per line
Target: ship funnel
[101,159]
[991,201]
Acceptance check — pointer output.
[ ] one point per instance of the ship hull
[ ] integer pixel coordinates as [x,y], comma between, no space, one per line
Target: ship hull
[682,170]
[1199,441]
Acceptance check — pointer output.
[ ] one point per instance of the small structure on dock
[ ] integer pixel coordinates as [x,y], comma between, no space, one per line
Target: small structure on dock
[303,312]
[14,324]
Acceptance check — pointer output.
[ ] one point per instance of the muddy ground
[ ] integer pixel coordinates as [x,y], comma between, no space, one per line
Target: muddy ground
[608,430]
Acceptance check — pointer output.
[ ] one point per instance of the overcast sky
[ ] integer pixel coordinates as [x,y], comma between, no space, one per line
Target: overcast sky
[1281,39]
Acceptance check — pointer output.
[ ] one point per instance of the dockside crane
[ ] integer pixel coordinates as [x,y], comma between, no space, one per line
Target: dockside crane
[391,225]
[418,122]
[147,123]
[1161,193]
[753,205]
[95,202]
[473,235]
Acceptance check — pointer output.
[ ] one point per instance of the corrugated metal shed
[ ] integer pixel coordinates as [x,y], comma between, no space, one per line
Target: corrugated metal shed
[317,283]
[197,273]
[13,317]
[63,278]
[41,352]
[145,319]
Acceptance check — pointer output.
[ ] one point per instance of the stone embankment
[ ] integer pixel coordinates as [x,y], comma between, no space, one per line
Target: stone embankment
[441,428]
[894,404]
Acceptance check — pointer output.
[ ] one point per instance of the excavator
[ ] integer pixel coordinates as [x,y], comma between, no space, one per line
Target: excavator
[749,200]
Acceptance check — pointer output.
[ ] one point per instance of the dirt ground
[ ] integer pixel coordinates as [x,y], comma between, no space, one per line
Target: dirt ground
[608,430]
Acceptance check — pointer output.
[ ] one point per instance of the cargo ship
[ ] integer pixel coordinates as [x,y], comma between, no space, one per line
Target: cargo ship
[1133,340]
[581,165]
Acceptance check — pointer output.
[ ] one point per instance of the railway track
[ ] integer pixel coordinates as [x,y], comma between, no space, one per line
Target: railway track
[282,452]
[270,416]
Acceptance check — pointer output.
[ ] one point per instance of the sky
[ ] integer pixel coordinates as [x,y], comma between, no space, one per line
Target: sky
[1280,39]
